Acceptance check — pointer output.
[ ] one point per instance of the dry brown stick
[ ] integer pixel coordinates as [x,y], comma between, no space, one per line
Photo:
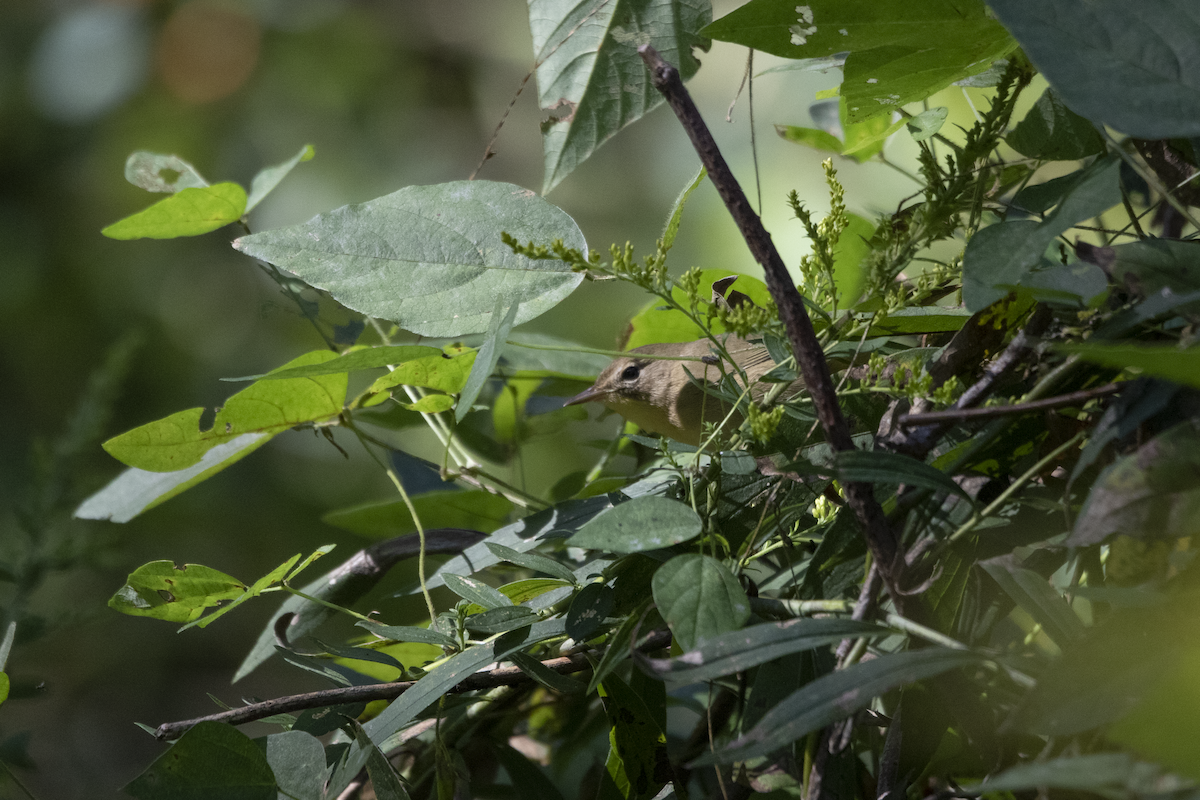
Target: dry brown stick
[992,412]
[881,538]
[502,676]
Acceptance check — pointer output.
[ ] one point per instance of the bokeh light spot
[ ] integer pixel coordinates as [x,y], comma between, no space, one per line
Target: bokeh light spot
[206,51]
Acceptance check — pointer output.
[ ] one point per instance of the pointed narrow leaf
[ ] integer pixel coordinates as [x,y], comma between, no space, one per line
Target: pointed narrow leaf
[1037,597]
[429,258]
[877,466]
[502,619]
[737,651]
[534,561]
[267,179]
[350,361]
[487,356]
[254,590]
[637,741]
[835,696]
[189,212]
[438,681]
[407,633]
[476,591]
[554,681]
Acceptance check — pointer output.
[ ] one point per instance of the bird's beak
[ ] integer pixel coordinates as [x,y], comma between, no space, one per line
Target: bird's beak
[586,396]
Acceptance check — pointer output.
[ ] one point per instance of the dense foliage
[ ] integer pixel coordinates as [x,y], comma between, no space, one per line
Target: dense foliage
[1011,347]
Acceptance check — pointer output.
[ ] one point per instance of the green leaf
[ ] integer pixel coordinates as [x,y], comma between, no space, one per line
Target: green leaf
[882,80]
[644,523]
[1154,360]
[502,619]
[474,509]
[138,490]
[298,761]
[267,179]
[1148,267]
[1131,66]
[407,633]
[554,681]
[528,778]
[671,230]
[1102,773]
[475,591]
[523,535]
[591,80]
[188,212]
[266,407]
[438,681]
[737,651]
[1151,493]
[351,361]
[5,686]
[810,137]
[877,466]
[620,645]
[1002,255]
[1053,132]
[429,258]
[431,404]
[211,759]
[533,561]
[898,52]
[162,590]
[588,610]
[849,259]
[273,577]
[835,696]
[159,172]
[487,356]
[699,598]
[443,372]
[637,741]
[920,319]
[1033,593]
[385,783]
[924,125]
[523,591]
[656,324]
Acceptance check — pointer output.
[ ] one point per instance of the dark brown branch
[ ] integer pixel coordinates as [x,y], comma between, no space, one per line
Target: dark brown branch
[501,676]
[881,539]
[992,412]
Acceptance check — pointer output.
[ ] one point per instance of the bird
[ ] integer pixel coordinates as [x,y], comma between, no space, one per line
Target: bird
[651,386]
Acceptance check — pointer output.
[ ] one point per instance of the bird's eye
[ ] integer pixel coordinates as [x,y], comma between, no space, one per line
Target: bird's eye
[631,372]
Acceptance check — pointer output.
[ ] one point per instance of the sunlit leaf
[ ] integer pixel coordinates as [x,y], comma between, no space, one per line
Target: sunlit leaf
[266,407]
[189,212]
[267,179]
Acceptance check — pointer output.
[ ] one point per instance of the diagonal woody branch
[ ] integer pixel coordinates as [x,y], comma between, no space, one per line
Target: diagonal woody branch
[881,538]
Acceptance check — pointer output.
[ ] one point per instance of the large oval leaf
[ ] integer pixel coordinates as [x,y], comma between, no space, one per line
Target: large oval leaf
[430,257]
[645,523]
[591,80]
[699,598]
[1130,65]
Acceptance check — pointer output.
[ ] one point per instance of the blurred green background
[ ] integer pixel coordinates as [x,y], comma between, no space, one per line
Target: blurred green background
[390,94]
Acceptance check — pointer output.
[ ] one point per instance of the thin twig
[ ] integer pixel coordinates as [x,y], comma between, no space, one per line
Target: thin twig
[881,539]
[992,412]
[502,676]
